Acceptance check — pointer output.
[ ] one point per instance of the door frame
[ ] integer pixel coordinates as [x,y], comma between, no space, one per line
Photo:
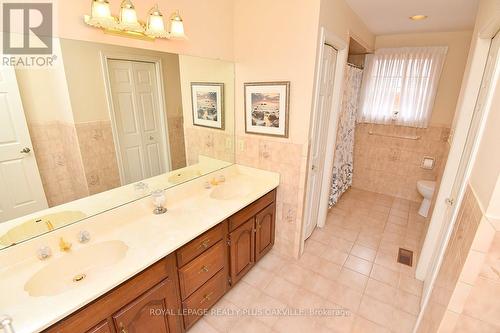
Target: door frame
[325,37]
[440,230]
[105,56]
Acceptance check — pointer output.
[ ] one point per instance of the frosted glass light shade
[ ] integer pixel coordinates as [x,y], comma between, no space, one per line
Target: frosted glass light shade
[100,9]
[177,27]
[100,15]
[156,26]
[128,17]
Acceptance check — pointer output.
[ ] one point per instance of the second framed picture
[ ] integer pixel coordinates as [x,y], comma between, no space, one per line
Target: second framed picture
[266,108]
[208,104]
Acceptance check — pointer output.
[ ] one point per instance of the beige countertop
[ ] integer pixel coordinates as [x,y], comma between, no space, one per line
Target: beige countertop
[149,237]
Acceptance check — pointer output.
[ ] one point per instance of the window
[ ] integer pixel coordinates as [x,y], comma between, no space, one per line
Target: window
[400,84]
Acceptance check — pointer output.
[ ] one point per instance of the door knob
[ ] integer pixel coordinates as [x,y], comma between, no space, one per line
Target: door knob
[25,150]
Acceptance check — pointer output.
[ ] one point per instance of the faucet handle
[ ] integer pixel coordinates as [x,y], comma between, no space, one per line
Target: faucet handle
[83,236]
[64,246]
[44,252]
[6,324]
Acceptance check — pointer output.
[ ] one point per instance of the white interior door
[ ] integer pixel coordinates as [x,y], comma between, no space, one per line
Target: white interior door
[21,190]
[319,134]
[473,138]
[138,120]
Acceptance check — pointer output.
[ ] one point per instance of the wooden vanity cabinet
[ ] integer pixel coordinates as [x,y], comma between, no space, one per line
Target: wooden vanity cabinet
[251,235]
[203,272]
[127,307]
[173,294]
[242,250]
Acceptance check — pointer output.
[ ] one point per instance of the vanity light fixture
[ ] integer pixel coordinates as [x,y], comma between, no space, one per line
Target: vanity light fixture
[127,23]
[177,26]
[156,26]
[128,18]
[100,15]
[419,17]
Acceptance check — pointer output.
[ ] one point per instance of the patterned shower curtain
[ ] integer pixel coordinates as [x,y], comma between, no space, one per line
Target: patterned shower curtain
[343,159]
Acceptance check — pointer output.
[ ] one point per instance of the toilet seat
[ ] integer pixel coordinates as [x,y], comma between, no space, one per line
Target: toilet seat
[427,185]
[426,189]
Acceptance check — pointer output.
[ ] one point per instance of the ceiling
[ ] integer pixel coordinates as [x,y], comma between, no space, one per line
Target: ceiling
[384,17]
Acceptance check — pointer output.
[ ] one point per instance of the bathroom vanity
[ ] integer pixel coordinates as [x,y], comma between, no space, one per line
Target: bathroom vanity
[172,294]
[142,272]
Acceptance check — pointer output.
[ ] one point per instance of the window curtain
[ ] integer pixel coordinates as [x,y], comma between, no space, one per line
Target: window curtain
[343,158]
[400,85]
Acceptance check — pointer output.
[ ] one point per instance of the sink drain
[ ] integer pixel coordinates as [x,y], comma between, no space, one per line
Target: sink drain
[79,277]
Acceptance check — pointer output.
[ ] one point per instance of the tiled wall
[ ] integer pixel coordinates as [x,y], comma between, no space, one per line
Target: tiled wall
[290,161]
[208,142]
[177,143]
[392,165]
[465,296]
[57,153]
[98,155]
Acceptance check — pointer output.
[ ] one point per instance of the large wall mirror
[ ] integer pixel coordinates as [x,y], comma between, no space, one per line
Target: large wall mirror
[104,126]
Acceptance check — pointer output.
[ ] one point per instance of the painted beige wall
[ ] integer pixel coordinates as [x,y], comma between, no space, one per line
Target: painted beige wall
[338,18]
[44,92]
[277,41]
[458,43]
[82,62]
[196,69]
[208,24]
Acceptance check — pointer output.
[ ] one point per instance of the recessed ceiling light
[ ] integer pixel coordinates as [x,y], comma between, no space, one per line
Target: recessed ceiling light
[418,17]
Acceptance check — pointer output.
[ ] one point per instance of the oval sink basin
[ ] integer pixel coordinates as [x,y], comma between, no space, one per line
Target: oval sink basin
[229,191]
[184,175]
[74,268]
[40,225]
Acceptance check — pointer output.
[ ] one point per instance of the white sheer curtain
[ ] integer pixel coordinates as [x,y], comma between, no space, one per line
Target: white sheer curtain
[400,84]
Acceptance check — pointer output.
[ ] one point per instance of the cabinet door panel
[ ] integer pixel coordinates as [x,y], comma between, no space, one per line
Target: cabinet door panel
[264,234]
[242,249]
[103,327]
[149,312]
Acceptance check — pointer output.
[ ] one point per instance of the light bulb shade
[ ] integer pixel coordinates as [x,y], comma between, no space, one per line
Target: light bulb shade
[100,9]
[177,27]
[128,17]
[156,26]
[100,15]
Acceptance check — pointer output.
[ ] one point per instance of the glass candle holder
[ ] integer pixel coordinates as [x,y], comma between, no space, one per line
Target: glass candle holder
[159,200]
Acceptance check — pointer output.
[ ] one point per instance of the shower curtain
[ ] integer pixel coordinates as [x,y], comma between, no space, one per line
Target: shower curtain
[343,158]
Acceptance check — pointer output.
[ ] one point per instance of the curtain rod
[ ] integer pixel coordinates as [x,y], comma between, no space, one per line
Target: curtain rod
[355,66]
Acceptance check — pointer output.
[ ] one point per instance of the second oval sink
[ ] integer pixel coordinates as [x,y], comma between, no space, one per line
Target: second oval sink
[230,190]
[74,267]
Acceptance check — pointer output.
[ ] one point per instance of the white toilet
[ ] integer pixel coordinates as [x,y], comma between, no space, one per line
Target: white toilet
[426,189]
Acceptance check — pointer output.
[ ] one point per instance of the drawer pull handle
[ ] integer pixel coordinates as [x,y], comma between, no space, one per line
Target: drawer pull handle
[122,328]
[204,244]
[203,269]
[206,298]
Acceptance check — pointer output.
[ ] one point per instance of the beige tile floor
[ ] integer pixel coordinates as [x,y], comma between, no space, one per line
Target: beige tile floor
[349,264]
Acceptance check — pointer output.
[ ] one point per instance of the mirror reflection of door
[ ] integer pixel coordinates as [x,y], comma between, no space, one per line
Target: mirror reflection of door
[138,123]
[21,190]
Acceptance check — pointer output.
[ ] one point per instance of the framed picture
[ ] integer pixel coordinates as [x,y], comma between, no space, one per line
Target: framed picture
[266,108]
[208,104]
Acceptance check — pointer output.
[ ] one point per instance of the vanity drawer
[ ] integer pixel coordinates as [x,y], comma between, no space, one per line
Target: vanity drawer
[251,210]
[199,245]
[203,299]
[201,269]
